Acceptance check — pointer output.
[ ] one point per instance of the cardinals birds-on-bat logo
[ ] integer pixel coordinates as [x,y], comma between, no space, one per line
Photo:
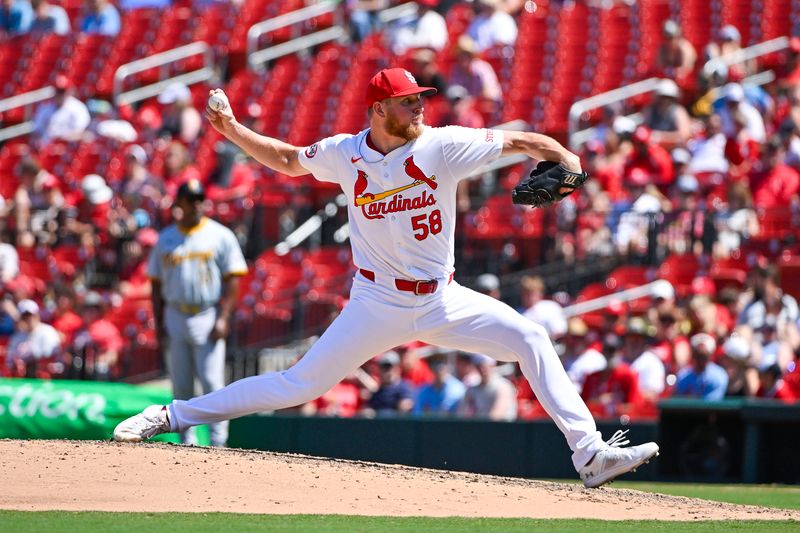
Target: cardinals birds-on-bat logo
[363,198]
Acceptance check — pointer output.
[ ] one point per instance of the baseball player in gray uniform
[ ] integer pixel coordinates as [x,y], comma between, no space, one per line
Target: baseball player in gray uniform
[195,268]
[400,178]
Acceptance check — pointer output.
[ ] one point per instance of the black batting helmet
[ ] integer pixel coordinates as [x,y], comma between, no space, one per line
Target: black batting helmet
[192,189]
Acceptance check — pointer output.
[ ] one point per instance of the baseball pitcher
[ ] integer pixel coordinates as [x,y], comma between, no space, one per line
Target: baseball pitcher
[400,177]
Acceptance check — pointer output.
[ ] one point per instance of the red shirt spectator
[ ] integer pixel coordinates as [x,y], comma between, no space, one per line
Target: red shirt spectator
[778,187]
[650,158]
[342,400]
[612,387]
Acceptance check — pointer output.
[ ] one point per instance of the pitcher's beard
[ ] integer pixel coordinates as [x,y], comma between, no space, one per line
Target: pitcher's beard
[408,132]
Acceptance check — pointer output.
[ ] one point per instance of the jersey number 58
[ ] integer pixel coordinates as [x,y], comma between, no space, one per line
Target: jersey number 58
[431,226]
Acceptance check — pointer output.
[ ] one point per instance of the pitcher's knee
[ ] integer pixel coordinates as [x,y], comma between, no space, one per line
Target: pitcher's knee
[536,333]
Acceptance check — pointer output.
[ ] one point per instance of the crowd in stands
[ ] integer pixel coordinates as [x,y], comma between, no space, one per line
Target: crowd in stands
[713,164]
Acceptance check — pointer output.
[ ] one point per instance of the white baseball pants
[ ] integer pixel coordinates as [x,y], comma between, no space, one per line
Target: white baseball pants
[192,354]
[380,317]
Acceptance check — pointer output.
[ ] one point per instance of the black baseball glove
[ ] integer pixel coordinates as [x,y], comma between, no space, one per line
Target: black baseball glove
[548,183]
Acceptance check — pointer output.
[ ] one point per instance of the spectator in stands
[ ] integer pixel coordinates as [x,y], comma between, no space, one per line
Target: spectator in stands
[769,300]
[32,340]
[709,163]
[443,396]
[650,158]
[426,71]
[738,363]
[180,120]
[37,199]
[474,74]
[93,211]
[670,345]
[102,18]
[413,368]
[342,400]
[681,157]
[646,202]
[8,310]
[66,320]
[139,189]
[737,220]
[62,118]
[494,397]
[581,356]
[488,284]
[462,109]
[676,55]
[364,18]
[425,29]
[614,389]
[644,362]
[729,42]
[536,307]
[9,263]
[99,342]
[737,108]
[667,119]
[771,348]
[178,168]
[773,386]
[466,371]
[775,184]
[704,378]
[394,395]
[133,265]
[49,18]
[491,25]
[15,17]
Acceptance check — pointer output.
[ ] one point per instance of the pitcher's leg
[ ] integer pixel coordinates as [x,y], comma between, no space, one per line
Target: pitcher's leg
[362,330]
[474,322]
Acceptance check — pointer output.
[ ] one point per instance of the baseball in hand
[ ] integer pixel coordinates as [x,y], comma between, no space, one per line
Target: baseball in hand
[217,101]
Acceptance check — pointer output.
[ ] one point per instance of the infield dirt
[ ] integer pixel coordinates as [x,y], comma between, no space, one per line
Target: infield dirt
[153,477]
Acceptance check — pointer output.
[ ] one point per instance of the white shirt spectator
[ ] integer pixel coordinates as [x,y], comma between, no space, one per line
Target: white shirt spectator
[67,122]
[9,262]
[708,155]
[651,373]
[549,314]
[754,123]
[498,27]
[588,362]
[42,341]
[427,31]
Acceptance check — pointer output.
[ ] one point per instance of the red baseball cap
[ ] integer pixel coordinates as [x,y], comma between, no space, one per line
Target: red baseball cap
[392,82]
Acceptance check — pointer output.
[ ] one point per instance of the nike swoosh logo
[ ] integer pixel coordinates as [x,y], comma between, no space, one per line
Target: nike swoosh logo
[355,159]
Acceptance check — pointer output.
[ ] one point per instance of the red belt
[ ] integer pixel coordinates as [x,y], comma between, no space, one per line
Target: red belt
[422,286]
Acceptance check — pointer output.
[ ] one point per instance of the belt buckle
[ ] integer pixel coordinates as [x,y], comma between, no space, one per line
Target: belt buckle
[432,283]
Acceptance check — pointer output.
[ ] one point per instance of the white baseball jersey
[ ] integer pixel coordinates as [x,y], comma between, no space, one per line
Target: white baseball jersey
[402,206]
[192,265]
[402,210]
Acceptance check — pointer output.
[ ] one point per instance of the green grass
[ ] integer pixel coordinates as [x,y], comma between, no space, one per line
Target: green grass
[778,496]
[69,522]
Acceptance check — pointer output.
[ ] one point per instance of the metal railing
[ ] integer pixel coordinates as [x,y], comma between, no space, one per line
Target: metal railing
[745,54]
[257,58]
[601,100]
[577,138]
[207,72]
[26,100]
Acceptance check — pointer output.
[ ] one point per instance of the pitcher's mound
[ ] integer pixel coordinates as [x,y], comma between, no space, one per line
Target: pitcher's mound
[151,477]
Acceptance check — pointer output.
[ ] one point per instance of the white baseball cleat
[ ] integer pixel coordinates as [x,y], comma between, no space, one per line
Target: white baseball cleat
[613,460]
[147,424]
